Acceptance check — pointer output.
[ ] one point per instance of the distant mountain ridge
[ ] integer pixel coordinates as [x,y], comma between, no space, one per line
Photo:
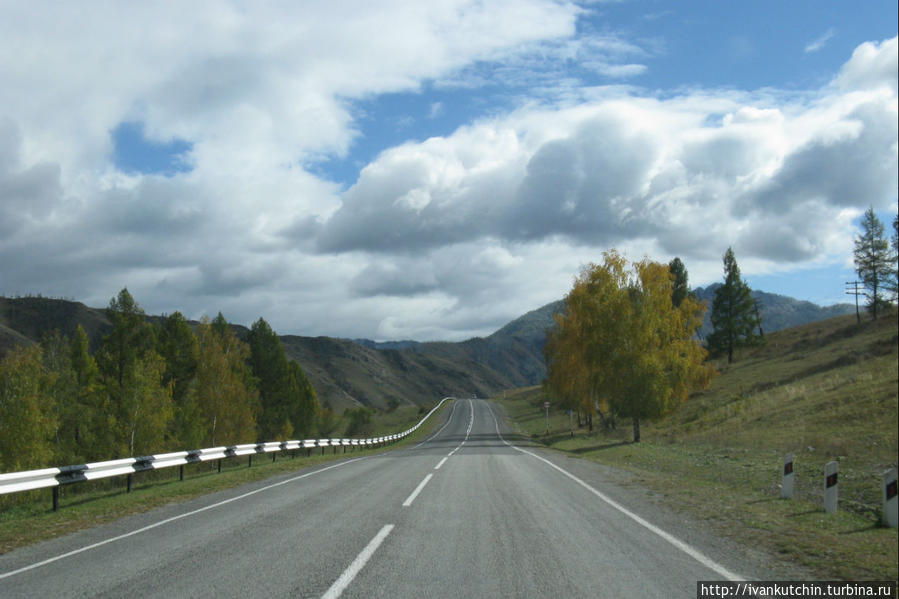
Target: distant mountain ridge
[363,372]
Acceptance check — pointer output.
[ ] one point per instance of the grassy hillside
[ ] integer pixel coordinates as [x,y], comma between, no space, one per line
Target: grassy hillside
[346,374]
[825,391]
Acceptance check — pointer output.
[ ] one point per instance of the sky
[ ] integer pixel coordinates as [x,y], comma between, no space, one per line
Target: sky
[433,170]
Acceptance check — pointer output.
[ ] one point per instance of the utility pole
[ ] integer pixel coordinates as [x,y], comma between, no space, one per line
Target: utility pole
[856,291]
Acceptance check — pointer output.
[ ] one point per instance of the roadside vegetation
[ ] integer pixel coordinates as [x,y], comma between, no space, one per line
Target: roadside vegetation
[824,391]
[30,518]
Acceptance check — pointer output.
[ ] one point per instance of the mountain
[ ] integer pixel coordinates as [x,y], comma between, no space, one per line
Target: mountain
[347,372]
[778,311]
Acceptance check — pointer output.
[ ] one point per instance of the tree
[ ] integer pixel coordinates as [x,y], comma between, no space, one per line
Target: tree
[286,395]
[27,413]
[681,285]
[873,262]
[92,434]
[228,405]
[64,392]
[131,336]
[626,343]
[303,399]
[735,316]
[359,422]
[178,346]
[138,406]
[269,364]
[893,280]
[326,421]
[146,409]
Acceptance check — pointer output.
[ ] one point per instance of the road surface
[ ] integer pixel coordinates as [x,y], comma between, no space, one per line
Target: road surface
[471,512]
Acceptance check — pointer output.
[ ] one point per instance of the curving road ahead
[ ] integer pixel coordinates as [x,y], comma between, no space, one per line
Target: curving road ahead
[466,513]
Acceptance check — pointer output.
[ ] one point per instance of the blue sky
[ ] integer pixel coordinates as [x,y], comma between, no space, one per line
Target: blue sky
[431,171]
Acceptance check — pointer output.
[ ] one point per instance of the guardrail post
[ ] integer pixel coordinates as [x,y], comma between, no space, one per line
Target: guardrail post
[220,466]
[181,473]
[831,470]
[786,488]
[250,461]
[890,501]
[274,453]
[129,483]
[56,498]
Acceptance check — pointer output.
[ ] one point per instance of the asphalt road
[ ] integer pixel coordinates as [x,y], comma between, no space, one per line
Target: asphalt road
[469,513]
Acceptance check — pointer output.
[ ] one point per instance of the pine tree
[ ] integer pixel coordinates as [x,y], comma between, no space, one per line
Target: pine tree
[873,262]
[681,285]
[735,316]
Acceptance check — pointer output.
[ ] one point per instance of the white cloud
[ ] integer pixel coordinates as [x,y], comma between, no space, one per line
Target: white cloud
[445,238]
[818,43]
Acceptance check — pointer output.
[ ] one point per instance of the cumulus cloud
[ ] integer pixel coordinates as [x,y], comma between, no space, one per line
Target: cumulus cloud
[667,169]
[442,238]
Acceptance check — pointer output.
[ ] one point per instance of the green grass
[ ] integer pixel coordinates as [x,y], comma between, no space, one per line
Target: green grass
[824,391]
[28,517]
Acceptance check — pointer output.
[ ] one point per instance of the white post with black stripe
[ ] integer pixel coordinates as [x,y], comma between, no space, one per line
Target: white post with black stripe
[831,470]
[890,501]
[786,487]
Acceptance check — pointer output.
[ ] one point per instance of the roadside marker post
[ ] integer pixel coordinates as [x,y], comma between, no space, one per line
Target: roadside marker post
[831,470]
[546,406]
[786,488]
[890,501]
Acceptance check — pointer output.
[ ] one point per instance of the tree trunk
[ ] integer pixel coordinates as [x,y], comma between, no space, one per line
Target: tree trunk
[636,430]
[590,422]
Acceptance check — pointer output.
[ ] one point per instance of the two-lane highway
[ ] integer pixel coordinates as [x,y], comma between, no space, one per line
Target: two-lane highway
[464,514]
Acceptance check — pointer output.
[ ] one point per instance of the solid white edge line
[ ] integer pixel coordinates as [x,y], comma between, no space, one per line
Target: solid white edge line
[172,519]
[695,554]
[353,569]
[448,420]
[417,490]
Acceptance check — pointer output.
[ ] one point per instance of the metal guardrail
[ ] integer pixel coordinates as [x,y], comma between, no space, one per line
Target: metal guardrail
[17,482]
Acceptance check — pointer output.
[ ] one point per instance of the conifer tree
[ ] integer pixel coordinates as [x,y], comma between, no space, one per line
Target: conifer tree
[873,261]
[681,284]
[139,406]
[734,316]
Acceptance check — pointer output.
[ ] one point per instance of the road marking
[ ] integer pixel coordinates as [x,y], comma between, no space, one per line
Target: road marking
[350,573]
[437,467]
[172,519]
[448,420]
[695,554]
[417,490]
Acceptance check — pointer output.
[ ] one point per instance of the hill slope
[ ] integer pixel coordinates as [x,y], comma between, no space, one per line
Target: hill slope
[347,373]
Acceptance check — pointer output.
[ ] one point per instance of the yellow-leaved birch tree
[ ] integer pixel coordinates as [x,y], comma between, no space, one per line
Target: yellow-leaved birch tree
[631,349]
